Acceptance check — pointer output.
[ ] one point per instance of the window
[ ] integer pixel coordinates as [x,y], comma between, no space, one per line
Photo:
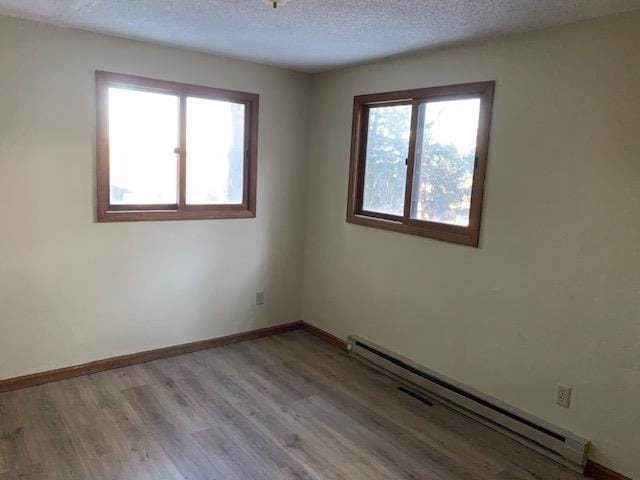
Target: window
[418,161]
[170,151]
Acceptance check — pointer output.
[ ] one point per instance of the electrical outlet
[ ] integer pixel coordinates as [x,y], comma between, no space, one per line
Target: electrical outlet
[259,298]
[564,396]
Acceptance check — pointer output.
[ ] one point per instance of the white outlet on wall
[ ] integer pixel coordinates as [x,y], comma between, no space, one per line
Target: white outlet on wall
[564,396]
[259,298]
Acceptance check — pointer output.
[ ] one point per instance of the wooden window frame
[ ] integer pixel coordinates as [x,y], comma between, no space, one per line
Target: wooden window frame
[468,235]
[106,212]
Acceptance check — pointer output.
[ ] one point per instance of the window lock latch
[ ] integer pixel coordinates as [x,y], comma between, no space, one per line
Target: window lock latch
[176,150]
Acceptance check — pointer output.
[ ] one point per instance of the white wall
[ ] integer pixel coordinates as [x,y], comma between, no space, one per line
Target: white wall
[553,293]
[73,290]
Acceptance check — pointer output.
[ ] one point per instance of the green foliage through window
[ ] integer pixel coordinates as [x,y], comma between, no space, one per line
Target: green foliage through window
[445,157]
[387,150]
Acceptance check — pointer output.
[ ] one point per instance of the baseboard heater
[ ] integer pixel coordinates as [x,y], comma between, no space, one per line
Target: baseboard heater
[558,444]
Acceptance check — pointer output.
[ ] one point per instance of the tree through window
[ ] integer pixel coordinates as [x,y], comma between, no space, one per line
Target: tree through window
[418,161]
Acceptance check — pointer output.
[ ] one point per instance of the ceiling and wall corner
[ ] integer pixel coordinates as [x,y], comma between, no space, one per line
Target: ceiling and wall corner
[311,35]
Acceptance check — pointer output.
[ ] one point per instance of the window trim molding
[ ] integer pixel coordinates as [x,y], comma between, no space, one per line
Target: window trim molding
[451,233]
[106,212]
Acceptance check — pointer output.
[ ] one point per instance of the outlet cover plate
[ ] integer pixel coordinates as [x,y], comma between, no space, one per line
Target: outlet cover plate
[564,396]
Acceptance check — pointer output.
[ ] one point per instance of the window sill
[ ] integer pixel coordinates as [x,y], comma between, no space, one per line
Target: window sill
[160,215]
[468,236]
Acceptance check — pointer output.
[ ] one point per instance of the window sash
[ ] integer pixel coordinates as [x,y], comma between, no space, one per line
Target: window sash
[362,176]
[106,211]
[466,235]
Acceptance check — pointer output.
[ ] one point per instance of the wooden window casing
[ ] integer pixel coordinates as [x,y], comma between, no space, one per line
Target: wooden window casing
[465,235]
[180,210]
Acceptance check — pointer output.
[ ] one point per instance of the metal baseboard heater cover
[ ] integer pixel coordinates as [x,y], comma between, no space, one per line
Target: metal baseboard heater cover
[556,443]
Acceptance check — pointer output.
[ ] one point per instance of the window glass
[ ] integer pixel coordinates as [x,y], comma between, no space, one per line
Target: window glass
[215,151]
[386,159]
[143,137]
[445,158]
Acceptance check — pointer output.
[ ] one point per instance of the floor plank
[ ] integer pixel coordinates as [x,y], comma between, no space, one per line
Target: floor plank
[284,407]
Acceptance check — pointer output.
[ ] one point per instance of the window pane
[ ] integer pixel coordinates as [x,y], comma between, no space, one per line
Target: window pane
[386,170]
[445,157]
[143,134]
[215,151]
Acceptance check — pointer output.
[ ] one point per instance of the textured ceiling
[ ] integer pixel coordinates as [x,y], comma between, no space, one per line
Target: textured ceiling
[311,34]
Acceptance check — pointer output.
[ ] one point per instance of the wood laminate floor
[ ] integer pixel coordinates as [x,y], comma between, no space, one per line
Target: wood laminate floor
[283,407]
